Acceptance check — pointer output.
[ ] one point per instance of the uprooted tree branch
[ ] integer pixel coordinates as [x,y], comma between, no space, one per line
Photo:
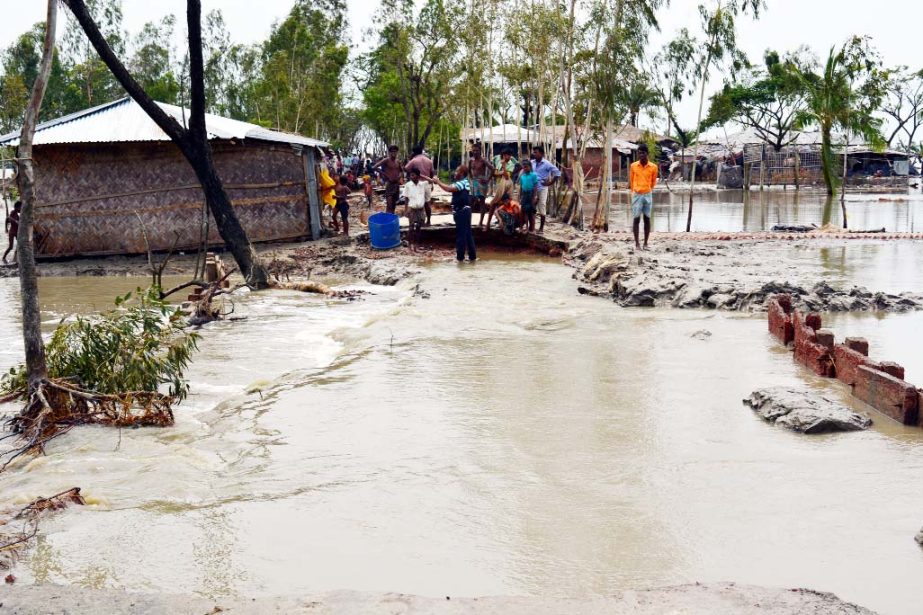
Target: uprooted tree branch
[13,543]
[108,369]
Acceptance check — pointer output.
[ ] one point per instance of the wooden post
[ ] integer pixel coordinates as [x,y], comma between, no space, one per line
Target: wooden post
[797,171]
[748,168]
[314,211]
[762,165]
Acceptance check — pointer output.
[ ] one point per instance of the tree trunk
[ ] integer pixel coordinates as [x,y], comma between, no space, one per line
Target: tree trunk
[827,161]
[192,142]
[36,368]
[601,215]
[695,151]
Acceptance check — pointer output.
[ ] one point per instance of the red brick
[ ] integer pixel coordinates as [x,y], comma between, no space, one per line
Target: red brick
[813,321]
[859,344]
[825,338]
[847,363]
[802,331]
[892,369]
[887,394]
[780,322]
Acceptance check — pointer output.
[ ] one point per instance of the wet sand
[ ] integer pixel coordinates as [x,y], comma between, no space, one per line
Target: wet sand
[688,599]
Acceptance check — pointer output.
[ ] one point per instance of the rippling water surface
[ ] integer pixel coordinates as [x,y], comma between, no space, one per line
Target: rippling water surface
[503,436]
[729,210]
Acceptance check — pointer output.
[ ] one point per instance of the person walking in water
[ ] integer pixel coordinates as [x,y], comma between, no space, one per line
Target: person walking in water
[392,172]
[547,174]
[12,227]
[461,212]
[642,177]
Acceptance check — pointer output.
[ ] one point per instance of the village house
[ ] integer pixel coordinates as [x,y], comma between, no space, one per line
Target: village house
[110,181]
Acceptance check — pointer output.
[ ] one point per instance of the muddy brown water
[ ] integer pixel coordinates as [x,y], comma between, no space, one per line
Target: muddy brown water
[504,436]
[728,210]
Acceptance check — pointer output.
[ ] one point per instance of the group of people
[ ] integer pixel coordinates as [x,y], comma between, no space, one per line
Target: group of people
[471,187]
[514,191]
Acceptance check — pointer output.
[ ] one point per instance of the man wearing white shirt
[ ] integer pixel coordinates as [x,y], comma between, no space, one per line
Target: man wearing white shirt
[415,195]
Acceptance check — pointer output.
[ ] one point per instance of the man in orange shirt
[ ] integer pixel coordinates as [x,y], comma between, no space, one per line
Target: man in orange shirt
[642,177]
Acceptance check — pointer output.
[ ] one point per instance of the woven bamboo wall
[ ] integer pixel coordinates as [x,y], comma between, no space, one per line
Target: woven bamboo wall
[90,196]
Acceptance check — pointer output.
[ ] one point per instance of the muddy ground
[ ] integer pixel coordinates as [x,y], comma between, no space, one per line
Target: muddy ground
[727,272]
[697,599]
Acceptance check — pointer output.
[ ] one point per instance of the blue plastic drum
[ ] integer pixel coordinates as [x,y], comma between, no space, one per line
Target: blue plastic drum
[384,231]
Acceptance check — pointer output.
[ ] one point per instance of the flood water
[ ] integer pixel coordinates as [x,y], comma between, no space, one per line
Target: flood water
[503,436]
[729,210]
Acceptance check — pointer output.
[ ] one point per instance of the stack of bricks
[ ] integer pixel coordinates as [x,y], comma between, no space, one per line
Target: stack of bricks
[879,384]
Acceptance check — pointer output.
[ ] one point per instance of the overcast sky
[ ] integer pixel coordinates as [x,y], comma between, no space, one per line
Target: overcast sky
[895,27]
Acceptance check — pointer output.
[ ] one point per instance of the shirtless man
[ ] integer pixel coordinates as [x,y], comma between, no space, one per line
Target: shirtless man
[391,172]
[12,227]
[423,165]
[479,173]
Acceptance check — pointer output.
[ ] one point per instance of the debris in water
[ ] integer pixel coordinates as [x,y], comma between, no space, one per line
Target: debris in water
[13,543]
[805,412]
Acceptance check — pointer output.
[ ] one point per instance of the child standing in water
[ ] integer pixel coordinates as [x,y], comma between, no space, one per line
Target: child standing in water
[528,180]
[342,207]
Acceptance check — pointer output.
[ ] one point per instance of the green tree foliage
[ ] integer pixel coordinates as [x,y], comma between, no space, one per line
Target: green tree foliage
[298,87]
[766,99]
[139,346]
[153,60]
[292,82]
[903,105]
[845,96]
[88,81]
[411,74]
[672,80]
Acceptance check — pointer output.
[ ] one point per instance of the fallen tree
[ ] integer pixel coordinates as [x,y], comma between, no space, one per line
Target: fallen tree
[123,368]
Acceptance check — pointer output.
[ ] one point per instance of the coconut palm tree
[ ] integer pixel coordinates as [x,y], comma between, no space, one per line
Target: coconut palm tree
[843,97]
[638,97]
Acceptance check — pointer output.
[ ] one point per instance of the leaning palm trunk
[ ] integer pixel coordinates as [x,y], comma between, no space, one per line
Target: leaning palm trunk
[826,155]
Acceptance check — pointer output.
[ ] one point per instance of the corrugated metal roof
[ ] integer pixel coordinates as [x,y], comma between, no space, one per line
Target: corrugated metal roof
[124,120]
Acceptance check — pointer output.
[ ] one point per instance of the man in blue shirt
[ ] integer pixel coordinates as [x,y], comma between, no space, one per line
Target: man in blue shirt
[547,174]
[461,212]
[528,181]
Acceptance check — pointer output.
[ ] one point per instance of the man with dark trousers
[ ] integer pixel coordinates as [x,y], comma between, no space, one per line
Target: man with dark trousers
[461,212]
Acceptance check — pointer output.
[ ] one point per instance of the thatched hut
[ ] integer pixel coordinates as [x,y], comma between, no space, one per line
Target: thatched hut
[108,176]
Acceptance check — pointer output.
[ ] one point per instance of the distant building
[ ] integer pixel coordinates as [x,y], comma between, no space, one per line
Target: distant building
[108,175]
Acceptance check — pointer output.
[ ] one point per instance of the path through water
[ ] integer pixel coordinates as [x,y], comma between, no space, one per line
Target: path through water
[503,436]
